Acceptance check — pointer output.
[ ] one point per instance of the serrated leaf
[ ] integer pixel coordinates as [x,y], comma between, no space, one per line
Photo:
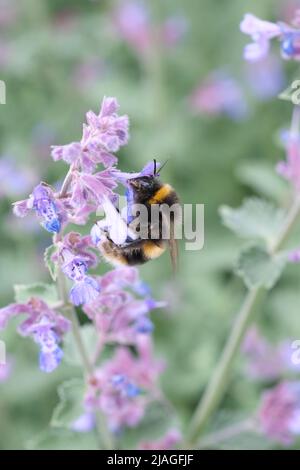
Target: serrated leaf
[89,337]
[260,269]
[46,292]
[70,406]
[49,252]
[255,219]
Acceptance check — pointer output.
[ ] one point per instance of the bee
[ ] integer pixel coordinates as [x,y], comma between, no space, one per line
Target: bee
[148,191]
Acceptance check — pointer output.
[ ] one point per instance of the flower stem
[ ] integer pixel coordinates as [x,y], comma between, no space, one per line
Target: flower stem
[218,437]
[106,441]
[219,381]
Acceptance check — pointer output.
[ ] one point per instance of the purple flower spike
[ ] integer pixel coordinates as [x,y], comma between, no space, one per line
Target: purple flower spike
[46,207]
[85,291]
[104,134]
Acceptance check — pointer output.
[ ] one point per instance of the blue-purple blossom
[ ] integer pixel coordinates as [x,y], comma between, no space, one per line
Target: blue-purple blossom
[116,387]
[44,325]
[77,257]
[279,413]
[103,135]
[84,423]
[119,315]
[47,207]
[262,32]
[218,94]
[265,361]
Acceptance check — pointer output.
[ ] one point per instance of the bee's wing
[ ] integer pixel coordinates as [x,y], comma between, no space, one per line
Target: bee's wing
[172,242]
[173,247]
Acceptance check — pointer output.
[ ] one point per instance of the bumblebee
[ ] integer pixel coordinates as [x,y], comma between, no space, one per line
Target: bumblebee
[148,191]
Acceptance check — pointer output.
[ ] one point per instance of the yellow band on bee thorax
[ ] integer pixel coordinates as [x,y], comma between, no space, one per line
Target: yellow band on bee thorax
[161,194]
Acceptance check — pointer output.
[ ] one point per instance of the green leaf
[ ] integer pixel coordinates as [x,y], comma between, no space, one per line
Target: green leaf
[89,337]
[46,292]
[62,439]
[70,406]
[49,252]
[261,177]
[255,219]
[260,269]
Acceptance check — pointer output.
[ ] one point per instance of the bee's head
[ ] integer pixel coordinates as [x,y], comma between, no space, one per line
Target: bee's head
[144,186]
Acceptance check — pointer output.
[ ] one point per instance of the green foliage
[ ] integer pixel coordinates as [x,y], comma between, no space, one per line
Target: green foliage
[258,268]
[89,337]
[255,219]
[213,160]
[49,252]
[70,405]
[46,292]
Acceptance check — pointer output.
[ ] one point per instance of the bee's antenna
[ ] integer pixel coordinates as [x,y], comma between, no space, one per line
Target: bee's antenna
[154,166]
[163,165]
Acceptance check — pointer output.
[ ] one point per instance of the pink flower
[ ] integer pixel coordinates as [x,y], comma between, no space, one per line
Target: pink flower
[261,33]
[173,30]
[104,134]
[279,413]
[264,361]
[290,169]
[218,94]
[118,314]
[132,22]
[121,390]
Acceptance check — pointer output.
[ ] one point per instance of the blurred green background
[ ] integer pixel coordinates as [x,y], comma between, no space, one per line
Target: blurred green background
[58,59]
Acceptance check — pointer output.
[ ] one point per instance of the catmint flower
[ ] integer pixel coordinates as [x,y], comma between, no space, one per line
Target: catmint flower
[279,413]
[218,94]
[166,442]
[77,258]
[84,423]
[132,23]
[264,361]
[294,256]
[290,169]
[14,180]
[173,30]
[117,313]
[104,134]
[266,77]
[263,31]
[44,325]
[48,209]
[121,390]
